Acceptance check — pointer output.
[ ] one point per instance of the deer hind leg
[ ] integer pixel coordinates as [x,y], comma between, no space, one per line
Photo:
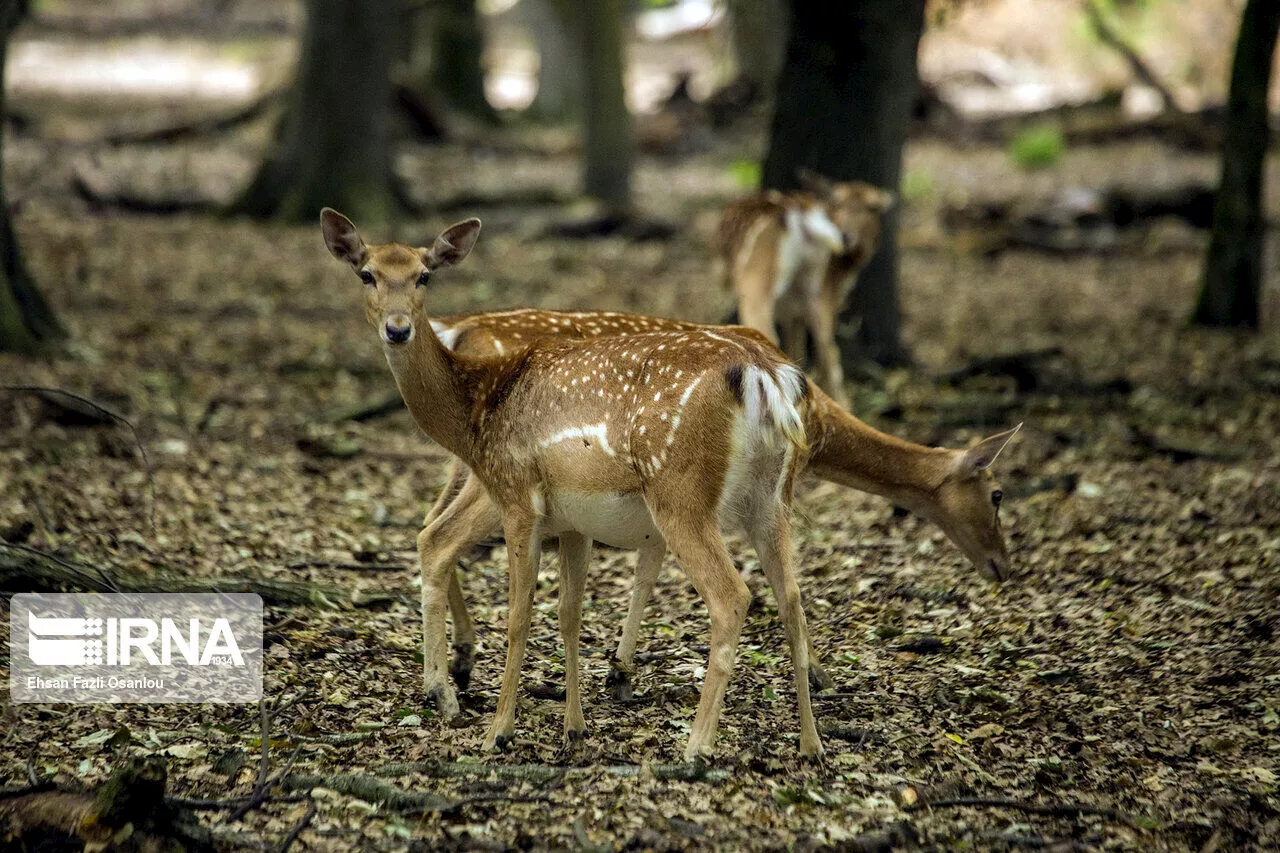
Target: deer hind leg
[701,553]
[461,522]
[772,540]
[524,550]
[464,632]
[753,284]
[822,311]
[623,665]
[575,553]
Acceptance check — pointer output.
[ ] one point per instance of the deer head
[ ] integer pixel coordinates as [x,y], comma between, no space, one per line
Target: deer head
[395,276]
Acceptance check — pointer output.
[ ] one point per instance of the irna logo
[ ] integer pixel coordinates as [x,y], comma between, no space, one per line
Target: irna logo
[93,641]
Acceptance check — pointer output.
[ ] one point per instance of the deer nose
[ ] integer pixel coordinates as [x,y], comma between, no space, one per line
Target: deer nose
[397,330]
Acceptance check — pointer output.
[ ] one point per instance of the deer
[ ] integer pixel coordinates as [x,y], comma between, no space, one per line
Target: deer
[795,256]
[953,488]
[667,435]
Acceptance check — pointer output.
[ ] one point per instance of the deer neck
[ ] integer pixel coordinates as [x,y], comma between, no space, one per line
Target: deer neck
[853,454]
[434,384]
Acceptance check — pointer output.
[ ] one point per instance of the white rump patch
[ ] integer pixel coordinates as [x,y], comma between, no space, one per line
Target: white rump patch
[771,401]
[820,227]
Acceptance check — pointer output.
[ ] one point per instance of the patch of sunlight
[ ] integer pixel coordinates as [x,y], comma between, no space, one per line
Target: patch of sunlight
[132,68]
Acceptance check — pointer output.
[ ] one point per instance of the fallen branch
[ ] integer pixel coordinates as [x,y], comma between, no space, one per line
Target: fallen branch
[1051,810]
[194,128]
[370,790]
[24,569]
[696,771]
[296,830]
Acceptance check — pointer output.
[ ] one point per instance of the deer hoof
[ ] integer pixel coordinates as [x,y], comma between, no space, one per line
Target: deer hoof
[619,684]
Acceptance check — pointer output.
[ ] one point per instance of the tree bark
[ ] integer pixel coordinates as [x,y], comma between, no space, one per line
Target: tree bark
[843,108]
[758,29]
[609,142]
[561,74]
[27,322]
[457,59]
[1231,290]
[334,147]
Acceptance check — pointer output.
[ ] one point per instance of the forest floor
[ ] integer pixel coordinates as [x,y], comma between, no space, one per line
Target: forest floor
[1130,666]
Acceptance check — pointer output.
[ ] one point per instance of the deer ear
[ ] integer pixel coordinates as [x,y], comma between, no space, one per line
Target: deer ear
[981,455]
[814,182]
[341,237]
[453,244]
[882,200]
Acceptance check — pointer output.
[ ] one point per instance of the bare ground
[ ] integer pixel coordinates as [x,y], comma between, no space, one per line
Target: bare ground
[1130,665]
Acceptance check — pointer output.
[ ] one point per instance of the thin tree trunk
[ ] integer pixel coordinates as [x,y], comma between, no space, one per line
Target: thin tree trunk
[609,141]
[758,29]
[335,143]
[561,74]
[843,108]
[27,322]
[457,67]
[1231,291]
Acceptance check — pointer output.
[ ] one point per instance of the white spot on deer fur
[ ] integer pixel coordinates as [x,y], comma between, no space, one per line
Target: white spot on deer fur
[448,335]
[600,432]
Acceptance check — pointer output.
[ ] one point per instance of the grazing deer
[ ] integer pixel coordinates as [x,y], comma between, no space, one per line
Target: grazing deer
[625,440]
[796,255]
[952,488]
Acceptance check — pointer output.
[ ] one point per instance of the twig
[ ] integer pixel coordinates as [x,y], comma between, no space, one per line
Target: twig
[1110,36]
[81,570]
[260,786]
[114,416]
[303,823]
[32,776]
[1052,810]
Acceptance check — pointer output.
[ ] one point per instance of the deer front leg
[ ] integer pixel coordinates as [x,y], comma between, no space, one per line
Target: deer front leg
[464,632]
[773,545]
[575,554]
[754,289]
[524,549]
[822,322]
[460,523]
[623,665]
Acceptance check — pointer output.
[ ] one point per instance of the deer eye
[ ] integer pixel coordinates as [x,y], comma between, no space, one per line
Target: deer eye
[424,278]
[366,276]
[996,497]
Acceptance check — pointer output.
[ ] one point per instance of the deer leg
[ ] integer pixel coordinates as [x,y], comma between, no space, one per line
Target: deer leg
[464,632]
[701,552]
[772,541]
[795,331]
[460,523]
[575,554]
[524,549]
[623,665]
[822,322]
[754,288]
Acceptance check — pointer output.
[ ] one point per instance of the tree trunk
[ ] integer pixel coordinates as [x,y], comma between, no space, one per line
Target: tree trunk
[609,142]
[1231,291]
[759,32]
[561,78]
[457,59]
[843,108]
[27,322]
[335,143]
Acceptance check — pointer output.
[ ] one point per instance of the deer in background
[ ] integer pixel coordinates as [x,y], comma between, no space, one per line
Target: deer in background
[625,440]
[953,488]
[794,257]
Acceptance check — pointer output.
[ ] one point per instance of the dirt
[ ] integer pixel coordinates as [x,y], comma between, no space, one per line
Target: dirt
[1130,665]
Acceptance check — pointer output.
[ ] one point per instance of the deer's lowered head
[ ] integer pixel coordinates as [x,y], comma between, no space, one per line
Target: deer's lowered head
[395,276]
[966,505]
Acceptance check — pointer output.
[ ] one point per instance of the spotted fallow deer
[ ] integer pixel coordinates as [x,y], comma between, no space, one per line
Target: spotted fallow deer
[795,256]
[624,440]
[953,488]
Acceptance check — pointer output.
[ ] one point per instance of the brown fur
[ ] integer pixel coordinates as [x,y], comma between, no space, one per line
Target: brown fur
[781,269]
[610,437]
[937,484]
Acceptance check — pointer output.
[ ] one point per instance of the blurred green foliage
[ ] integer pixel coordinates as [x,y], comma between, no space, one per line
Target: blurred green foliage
[1038,147]
[745,173]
